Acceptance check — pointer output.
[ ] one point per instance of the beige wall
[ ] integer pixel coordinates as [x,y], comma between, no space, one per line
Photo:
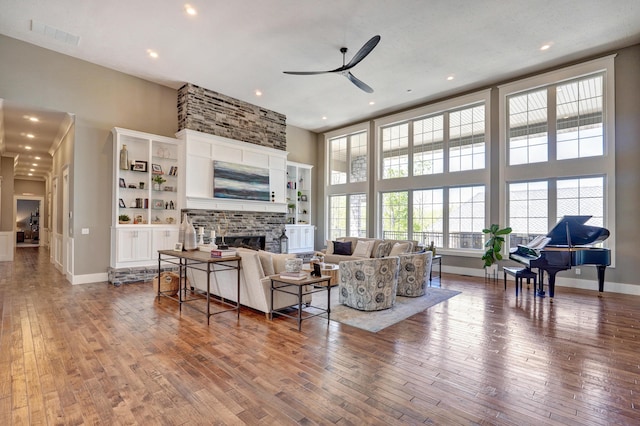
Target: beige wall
[6,194]
[100,99]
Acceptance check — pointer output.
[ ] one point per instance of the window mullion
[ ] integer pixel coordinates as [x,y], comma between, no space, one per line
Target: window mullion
[445,142]
[552,124]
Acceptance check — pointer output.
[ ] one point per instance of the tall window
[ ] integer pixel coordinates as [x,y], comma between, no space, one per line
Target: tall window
[428,216]
[559,123]
[466,217]
[428,142]
[346,191]
[528,211]
[466,139]
[337,216]
[395,224]
[395,159]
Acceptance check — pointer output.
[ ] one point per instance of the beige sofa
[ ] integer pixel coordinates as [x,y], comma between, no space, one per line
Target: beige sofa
[255,284]
[377,248]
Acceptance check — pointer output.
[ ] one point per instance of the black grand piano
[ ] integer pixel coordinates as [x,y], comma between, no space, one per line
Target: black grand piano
[568,244]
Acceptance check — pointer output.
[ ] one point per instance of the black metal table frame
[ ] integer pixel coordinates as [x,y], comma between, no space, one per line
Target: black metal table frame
[186,260]
[310,282]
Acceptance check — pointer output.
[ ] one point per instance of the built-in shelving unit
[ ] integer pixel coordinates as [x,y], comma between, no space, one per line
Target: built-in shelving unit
[152,208]
[300,228]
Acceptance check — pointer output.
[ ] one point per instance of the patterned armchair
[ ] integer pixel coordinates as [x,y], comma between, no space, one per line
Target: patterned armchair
[413,273]
[369,284]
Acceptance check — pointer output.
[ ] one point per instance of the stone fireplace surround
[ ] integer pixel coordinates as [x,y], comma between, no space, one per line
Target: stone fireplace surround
[269,225]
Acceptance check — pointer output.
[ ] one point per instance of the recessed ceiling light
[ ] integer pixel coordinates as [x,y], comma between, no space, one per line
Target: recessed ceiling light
[27,147]
[32,170]
[372,102]
[546,46]
[190,10]
[30,118]
[30,174]
[449,78]
[37,158]
[152,53]
[258,93]
[35,164]
[30,136]
[324,117]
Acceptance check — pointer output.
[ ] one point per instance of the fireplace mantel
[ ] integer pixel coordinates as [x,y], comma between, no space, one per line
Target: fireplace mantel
[202,149]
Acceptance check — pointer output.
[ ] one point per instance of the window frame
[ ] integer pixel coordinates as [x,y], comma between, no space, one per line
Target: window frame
[444,180]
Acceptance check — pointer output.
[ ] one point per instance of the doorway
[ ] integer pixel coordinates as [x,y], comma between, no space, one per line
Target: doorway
[28,226]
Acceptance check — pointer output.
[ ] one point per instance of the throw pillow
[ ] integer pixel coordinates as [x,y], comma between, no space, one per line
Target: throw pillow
[363,249]
[342,248]
[383,250]
[329,247]
[399,248]
[266,260]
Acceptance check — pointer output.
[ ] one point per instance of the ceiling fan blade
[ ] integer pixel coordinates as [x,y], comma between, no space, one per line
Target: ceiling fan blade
[363,52]
[358,83]
[306,72]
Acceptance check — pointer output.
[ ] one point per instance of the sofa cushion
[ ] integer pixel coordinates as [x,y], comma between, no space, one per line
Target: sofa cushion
[267,262]
[363,248]
[400,248]
[342,247]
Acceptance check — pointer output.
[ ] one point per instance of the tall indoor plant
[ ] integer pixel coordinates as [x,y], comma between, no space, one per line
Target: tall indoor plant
[494,244]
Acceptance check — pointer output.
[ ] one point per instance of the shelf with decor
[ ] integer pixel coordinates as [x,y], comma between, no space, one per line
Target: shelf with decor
[146,185]
[299,201]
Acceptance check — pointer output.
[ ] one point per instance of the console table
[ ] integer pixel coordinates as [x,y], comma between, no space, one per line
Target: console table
[201,261]
[301,288]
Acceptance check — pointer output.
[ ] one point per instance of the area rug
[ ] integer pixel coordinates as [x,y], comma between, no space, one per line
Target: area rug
[378,320]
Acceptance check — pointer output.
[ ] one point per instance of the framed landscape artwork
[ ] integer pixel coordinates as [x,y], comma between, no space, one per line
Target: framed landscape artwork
[240,182]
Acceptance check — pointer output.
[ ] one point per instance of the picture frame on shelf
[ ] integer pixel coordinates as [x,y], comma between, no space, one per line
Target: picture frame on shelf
[177,247]
[123,184]
[303,198]
[168,188]
[139,166]
[157,204]
[156,169]
[121,203]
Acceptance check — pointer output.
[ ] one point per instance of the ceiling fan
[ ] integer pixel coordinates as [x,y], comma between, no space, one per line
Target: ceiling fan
[345,69]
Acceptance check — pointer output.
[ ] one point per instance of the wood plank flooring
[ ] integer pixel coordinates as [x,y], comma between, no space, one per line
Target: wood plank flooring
[99,354]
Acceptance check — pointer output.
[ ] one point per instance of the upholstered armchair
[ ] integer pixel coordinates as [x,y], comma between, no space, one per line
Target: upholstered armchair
[369,284]
[413,273]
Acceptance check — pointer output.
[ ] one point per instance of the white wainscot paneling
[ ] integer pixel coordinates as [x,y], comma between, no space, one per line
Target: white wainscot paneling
[6,246]
[227,153]
[256,159]
[199,148]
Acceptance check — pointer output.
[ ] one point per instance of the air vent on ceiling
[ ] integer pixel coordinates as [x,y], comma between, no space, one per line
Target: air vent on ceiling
[54,33]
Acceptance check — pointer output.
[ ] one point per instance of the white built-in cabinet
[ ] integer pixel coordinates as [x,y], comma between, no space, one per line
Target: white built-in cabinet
[153,209]
[300,229]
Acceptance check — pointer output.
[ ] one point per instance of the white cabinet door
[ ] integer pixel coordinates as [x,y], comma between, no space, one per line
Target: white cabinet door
[164,239]
[134,245]
[307,238]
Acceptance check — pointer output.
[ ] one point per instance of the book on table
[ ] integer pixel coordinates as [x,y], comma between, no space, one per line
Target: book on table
[294,275]
[223,253]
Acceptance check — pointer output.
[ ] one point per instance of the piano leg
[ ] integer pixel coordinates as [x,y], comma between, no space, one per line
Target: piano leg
[601,269]
[539,291]
[552,285]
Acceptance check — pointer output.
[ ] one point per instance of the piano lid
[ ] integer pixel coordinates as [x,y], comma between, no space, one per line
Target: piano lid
[571,230]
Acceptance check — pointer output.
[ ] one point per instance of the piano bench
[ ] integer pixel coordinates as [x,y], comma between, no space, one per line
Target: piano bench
[519,274]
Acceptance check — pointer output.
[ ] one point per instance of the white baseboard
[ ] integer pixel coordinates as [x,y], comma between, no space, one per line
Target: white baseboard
[90,278]
[609,287]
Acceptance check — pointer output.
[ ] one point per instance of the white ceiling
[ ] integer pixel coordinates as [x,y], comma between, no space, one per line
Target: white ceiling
[238,47]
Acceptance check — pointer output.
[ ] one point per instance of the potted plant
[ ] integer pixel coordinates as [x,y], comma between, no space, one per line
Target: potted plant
[158,180]
[124,218]
[494,246]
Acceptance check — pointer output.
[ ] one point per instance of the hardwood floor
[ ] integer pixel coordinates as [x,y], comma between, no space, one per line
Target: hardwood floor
[99,354]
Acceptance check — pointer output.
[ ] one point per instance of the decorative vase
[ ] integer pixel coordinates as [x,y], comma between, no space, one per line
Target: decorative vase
[183,229]
[124,158]
[293,265]
[190,239]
